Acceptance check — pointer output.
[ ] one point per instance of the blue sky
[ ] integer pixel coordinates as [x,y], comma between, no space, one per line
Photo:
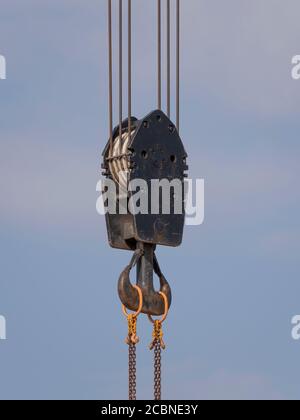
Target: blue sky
[235,279]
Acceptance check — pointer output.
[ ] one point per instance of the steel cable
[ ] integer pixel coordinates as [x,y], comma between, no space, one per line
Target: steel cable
[129,69]
[159,54]
[178,65]
[110,105]
[120,72]
[168,59]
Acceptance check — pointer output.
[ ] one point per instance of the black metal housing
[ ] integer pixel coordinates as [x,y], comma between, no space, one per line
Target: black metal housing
[155,152]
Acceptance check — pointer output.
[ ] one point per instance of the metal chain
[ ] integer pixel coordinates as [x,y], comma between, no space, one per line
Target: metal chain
[132,371]
[132,340]
[157,344]
[157,370]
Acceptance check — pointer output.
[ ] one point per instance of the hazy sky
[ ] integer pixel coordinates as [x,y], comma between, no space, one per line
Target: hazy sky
[235,279]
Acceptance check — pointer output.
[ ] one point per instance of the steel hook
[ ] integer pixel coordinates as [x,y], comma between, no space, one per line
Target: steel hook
[153,303]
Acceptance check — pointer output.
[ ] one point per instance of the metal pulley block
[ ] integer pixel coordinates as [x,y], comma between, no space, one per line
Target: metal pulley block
[153,152]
